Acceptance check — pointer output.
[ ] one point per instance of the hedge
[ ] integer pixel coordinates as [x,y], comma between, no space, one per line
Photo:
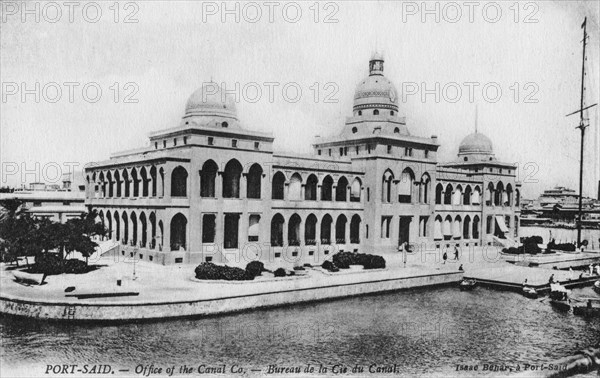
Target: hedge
[569,247]
[52,264]
[343,260]
[255,268]
[210,271]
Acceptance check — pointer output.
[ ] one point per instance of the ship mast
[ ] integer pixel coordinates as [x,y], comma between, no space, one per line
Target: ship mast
[582,126]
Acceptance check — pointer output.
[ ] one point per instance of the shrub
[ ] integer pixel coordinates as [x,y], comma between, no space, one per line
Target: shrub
[210,271]
[52,264]
[279,272]
[255,268]
[343,260]
[569,247]
[330,266]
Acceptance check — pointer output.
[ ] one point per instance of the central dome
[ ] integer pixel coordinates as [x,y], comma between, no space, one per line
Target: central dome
[210,100]
[375,91]
[476,143]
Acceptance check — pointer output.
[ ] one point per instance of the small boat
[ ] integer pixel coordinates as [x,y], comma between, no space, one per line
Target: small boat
[28,278]
[467,284]
[597,287]
[591,308]
[559,297]
[530,292]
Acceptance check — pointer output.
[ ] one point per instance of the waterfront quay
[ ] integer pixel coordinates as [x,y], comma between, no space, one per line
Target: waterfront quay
[173,291]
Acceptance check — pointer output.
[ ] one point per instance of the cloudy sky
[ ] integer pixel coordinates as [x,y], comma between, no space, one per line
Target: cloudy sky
[518,63]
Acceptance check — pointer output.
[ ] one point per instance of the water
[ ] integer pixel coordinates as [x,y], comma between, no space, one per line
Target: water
[425,331]
[563,235]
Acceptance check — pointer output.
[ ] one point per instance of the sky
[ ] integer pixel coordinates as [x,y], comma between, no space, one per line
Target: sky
[82,82]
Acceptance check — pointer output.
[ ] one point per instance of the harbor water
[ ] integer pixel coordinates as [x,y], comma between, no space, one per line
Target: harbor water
[426,331]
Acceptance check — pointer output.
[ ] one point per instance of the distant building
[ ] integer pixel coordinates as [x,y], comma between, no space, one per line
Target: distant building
[56,202]
[560,205]
[211,190]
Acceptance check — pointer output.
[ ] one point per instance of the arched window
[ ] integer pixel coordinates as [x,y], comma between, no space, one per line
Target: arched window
[355,190]
[295,187]
[448,195]
[437,228]
[144,230]
[341,189]
[326,229]
[354,130]
[457,196]
[310,230]
[152,219]
[327,189]
[161,173]
[489,225]
[161,229]
[489,195]
[499,194]
[277,186]
[355,229]
[178,232]
[476,227]
[508,197]
[310,190]
[476,197]
[375,112]
[126,183]
[396,130]
[125,220]
[231,179]
[467,228]
[340,229]
[135,181]
[208,177]
[386,192]
[254,179]
[447,228]
[467,196]
[118,183]
[277,223]
[178,182]
[439,192]
[110,184]
[517,197]
[294,230]
[145,181]
[424,188]
[153,179]
[405,186]
[457,227]
[117,227]
[134,229]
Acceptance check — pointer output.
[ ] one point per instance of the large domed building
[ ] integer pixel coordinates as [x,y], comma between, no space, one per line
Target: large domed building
[210,189]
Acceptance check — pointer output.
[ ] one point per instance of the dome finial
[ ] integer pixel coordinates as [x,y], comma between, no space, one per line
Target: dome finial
[376,64]
[476,118]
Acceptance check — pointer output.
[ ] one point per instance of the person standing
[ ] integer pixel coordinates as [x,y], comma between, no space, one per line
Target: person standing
[456,252]
[445,257]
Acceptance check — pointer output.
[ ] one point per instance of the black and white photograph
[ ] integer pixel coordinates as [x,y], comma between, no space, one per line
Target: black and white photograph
[369,188]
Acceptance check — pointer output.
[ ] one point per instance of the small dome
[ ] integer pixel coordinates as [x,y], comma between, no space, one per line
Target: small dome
[210,100]
[375,91]
[476,143]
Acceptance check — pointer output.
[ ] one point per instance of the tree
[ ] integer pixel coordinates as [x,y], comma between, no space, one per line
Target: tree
[79,233]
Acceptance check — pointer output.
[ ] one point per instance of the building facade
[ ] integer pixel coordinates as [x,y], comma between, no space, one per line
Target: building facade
[211,190]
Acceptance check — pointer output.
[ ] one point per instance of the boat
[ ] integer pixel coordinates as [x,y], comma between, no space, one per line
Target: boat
[530,292]
[587,307]
[467,284]
[28,278]
[559,297]
[597,287]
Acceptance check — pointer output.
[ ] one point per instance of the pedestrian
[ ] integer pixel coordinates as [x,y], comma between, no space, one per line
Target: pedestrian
[551,279]
[525,282]
[445,257]
[460,268]
[591,270]
[456,253]
[571,273]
